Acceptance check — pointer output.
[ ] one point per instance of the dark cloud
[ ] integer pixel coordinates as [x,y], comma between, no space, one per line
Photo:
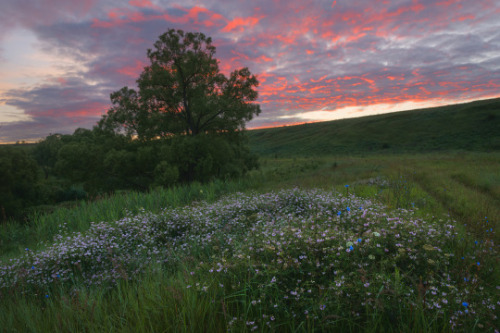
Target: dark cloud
[308,55]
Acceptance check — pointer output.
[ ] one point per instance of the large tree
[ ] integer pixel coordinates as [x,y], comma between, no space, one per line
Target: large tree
[183,92]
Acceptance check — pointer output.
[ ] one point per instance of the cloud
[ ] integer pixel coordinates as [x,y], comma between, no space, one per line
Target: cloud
[60,106]
[311,57]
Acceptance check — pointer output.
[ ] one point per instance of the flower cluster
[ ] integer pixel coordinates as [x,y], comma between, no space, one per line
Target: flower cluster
[309,255]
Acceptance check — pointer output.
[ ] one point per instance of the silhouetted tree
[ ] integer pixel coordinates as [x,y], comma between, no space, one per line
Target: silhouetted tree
[183,92]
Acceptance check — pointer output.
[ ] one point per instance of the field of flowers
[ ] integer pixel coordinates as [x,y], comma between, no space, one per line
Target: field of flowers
[293,260]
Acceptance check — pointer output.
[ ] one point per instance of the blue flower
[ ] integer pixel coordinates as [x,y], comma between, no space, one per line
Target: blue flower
[32,267]
[339,213]
[351,248]
[478,263]
[465,304]
[347,186]
[348,209]
[359,240]
[46,296]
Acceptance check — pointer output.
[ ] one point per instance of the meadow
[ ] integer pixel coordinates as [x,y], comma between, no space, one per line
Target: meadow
[373,243]
[377,224]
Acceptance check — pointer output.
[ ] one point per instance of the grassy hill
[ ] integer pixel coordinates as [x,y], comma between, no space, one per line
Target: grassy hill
[472,126]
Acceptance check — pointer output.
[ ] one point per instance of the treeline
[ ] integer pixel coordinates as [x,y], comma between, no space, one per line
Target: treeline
[89,163]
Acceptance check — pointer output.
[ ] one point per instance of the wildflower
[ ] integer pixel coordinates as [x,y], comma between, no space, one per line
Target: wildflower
[47,296]
[347,186]
[348,209]
[322,307]
[478,263]
[359,240]
[376,234]
[339,213]
[351,248]
[366,285]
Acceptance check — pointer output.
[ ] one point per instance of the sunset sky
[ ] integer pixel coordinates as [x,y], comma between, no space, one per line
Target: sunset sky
[315,60]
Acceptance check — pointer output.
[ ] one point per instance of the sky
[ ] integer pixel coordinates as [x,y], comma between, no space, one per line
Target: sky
[315,60]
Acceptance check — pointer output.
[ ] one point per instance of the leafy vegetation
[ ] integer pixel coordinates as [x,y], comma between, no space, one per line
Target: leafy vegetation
[19,174]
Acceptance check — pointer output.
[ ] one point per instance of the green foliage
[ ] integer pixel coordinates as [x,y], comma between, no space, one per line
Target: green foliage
[19,175]
[203,157]
[46,151]
[166,174]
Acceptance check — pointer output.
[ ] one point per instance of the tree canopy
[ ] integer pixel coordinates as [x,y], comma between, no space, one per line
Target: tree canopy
[183,92]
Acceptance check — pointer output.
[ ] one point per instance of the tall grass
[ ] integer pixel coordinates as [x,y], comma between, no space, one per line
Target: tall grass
[390,243]
[15,237]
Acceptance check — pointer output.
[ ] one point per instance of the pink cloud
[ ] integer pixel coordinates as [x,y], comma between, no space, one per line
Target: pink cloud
[142,3]
[120,17]
[241,23]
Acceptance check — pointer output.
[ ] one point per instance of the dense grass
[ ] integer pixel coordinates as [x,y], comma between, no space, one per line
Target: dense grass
[40,229]
[473,127]
[282,261]
[464,185]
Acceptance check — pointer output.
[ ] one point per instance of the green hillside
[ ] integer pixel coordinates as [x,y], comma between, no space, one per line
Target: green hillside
[473,126]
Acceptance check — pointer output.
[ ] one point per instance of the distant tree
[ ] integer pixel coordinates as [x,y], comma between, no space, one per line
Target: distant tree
[183,92]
